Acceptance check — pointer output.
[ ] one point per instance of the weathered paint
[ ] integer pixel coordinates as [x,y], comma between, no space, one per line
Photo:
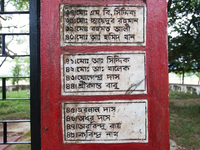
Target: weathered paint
[105,121]
[156,76]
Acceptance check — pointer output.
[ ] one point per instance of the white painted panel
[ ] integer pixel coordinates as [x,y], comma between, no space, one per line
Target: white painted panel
[116,121]
[102,25]
[103,73]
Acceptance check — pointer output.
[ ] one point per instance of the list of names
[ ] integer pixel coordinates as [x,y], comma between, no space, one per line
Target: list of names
[93,25]
[103,73]
[105,121]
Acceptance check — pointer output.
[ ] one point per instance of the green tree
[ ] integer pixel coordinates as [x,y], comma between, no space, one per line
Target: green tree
[16,71]
[21,68]
[19,4]
[198,75]
[184,38]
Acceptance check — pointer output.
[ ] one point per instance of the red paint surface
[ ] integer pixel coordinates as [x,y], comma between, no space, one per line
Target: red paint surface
[157,77]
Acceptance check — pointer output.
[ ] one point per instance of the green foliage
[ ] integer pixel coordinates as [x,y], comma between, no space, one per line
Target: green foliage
[16,71]
[20,4]
[184,38]
[198,75]
[21,68]
[26,66]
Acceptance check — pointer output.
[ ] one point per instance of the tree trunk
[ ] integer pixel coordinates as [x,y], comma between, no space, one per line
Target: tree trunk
[183,77]
[17,86]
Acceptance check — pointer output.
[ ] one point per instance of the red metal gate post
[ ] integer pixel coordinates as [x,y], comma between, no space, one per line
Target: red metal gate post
[104,75]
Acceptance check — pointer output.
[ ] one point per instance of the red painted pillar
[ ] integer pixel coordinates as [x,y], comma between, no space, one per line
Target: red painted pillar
[104,75]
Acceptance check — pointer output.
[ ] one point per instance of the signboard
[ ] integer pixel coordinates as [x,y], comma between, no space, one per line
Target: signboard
[103,73]
[102,25]
[105,121]
[102,64]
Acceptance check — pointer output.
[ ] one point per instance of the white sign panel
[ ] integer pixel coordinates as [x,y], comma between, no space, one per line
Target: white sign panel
[102,25]
[103,73]
[121,121]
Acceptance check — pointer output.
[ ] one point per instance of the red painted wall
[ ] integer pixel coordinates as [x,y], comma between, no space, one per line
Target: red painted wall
[156,71]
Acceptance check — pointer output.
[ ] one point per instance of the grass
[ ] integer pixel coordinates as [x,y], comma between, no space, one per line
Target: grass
[26,137]
[22,147]
[185,121]
[15,109]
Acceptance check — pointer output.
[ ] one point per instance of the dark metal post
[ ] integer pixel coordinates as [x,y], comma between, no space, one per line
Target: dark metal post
[35,73]
[5,132]
[3,88]
[3,45]
[2,5]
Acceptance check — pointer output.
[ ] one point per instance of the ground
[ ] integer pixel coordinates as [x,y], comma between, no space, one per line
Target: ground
[182,102]
[185,123]
[16,130]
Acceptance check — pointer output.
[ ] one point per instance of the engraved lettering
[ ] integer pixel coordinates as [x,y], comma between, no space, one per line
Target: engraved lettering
[112,85]
[104,121]
[94,12]
[95,37]
[97,60]
[105,25]
[76,12]
[103,117]
[111,36]
[76,20]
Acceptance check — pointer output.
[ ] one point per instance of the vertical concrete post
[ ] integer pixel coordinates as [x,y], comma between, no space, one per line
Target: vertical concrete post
[104,75]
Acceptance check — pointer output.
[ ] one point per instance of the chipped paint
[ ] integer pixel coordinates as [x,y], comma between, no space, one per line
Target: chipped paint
[102,25]
[115,121]
[103,73]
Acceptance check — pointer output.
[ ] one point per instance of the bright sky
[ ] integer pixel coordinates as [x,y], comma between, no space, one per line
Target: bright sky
[17,44]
